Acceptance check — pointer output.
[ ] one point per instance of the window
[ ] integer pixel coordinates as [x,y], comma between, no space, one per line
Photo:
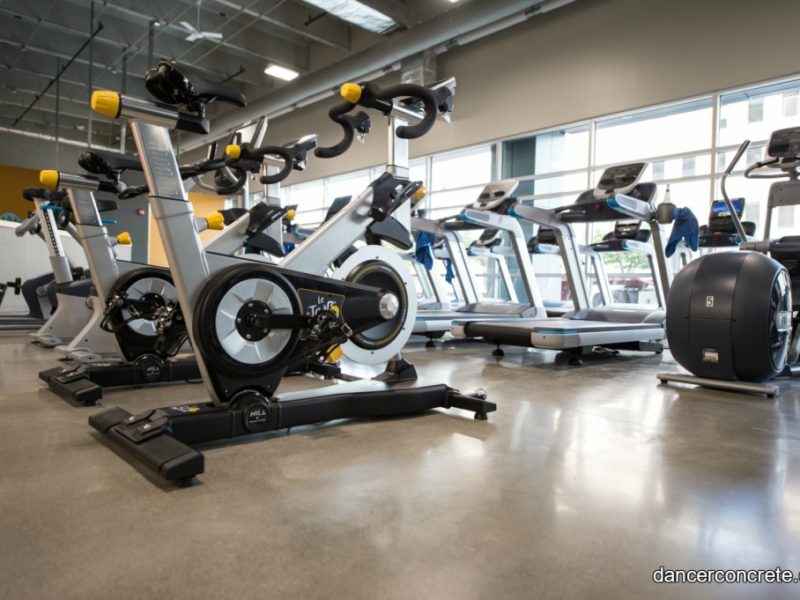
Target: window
[457,178]
[658,170]
[310,200]
[791,103]
[755,110]
[346,185]
[653,133]
[778,107]
[462,168]
[688,166]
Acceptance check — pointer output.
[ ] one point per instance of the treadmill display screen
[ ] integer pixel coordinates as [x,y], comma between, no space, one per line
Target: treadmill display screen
[620,177]
[719,209]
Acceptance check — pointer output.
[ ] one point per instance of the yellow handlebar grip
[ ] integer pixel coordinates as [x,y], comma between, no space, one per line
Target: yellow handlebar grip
[124,239]
[291,214]
[215,221]
[49,179]
[233,151]
[351,92]
[420,193]
[106,103]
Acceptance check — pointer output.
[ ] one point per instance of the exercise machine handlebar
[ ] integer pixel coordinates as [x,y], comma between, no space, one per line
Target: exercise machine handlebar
[737,222]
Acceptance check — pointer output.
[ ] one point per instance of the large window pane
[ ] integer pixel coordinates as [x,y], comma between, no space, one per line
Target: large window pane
[656,132]
[346,185]
[310,199]
[462,169]
[572,184]
[444,204]
[563,150]
[756,112]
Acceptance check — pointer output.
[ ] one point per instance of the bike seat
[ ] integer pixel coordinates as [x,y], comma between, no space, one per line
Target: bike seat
[171,86]
[102,163]
[34,193]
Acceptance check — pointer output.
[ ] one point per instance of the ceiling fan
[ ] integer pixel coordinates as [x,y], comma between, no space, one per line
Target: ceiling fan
[195,33]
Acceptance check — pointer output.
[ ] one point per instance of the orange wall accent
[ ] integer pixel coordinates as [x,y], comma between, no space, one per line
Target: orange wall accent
[14,180]
[203,204]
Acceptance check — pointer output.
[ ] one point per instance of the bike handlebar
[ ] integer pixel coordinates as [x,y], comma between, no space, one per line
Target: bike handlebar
[29,225]
[351,124]
[369,95]
[236,152]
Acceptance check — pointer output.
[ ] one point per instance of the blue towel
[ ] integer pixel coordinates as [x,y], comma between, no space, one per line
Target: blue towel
[287,248]
[449,275]
[424,252]
[685,228]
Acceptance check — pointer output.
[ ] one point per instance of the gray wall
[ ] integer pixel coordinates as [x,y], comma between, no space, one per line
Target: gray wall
[588,59]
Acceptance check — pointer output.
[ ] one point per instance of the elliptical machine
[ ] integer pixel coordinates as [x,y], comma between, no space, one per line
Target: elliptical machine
[732,317]
[249,321]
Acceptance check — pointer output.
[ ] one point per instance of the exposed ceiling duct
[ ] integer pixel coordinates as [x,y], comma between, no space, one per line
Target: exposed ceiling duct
[457,27]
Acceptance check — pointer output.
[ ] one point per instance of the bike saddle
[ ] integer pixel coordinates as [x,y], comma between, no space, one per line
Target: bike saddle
[34,193]
[171,86]
[108,163]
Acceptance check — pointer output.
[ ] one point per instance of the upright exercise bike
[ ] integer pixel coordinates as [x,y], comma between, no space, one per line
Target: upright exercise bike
[249,320]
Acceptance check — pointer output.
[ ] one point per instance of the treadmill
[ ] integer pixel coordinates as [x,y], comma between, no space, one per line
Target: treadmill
[491,211]
[618,195]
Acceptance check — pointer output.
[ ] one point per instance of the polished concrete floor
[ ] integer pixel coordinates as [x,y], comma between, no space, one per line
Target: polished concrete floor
[582,483]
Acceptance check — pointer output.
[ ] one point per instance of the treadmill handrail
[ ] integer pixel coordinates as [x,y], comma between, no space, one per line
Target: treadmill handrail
[632,207]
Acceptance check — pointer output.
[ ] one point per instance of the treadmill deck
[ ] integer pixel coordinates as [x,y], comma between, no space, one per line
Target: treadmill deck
[561,334]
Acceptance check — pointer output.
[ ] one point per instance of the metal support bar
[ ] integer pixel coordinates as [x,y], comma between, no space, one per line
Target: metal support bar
[58,107]
[60,73]
[91,68]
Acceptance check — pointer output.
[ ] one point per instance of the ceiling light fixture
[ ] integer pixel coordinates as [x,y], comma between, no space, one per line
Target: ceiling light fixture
[281,72]
[357,13]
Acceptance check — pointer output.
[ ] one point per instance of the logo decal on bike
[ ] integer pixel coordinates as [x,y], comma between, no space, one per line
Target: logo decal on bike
[315,302]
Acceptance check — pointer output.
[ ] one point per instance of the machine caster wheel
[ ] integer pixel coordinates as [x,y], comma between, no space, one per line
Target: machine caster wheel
[481,417]
[430,344]
[498,352]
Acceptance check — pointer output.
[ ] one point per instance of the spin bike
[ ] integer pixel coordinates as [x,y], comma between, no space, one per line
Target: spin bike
[138,319]
[249,320]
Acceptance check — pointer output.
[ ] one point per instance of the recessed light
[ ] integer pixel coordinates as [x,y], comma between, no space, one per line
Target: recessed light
[281,72]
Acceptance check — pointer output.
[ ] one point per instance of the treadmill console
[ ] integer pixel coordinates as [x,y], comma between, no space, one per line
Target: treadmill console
[638,204]
[630,230]
[720,221]
[620,179]
[494,196]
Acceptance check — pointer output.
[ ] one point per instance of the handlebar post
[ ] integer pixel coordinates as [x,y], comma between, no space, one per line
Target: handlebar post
[398,163]
[737,222]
